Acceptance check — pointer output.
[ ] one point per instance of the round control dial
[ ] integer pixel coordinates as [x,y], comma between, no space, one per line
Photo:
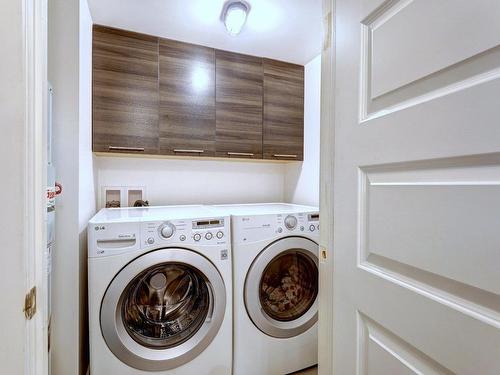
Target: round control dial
[197,237]
[167,230]
[290,222]
[209,236]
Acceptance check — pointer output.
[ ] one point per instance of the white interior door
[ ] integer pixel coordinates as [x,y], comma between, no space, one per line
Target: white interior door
[417,187]
[23,344]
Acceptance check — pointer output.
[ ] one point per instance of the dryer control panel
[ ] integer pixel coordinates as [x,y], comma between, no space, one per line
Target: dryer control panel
[265,227]
[209,231]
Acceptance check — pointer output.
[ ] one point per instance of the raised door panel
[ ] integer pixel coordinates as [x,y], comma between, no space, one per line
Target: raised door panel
[239,105]
[398,34]
[187,99]
[125,91]
[283,110]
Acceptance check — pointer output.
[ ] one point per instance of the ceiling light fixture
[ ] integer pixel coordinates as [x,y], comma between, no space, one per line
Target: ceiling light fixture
[234,16]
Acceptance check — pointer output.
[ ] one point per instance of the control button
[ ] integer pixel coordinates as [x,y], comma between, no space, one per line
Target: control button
[167,230]
[182,237]
[280,230]
[290,222]
[317,227]
[302,228]
[220,235]
[209,236]
[197,237]
[151,240]
[312,228]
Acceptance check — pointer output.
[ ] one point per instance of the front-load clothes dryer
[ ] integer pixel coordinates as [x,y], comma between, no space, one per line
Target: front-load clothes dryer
[160,292]
[275,283]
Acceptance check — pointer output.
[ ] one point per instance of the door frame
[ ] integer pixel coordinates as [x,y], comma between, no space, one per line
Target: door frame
[327,157]
[35,180]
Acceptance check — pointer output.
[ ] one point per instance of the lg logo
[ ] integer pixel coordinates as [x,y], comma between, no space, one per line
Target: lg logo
[102,227]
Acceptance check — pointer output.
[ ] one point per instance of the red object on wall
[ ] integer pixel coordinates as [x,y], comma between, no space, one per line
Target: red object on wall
[59,188]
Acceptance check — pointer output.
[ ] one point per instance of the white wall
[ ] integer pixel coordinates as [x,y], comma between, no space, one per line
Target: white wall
[69,74]
[302,179]
[12,169]
[86,178]
[63,75]
[183,181]
[86,158]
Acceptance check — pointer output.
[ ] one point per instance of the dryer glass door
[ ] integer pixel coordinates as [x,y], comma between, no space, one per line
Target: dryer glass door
[163,309]
[289,285]
[281,287]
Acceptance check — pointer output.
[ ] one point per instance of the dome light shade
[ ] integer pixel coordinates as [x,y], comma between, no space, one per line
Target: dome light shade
[235,16]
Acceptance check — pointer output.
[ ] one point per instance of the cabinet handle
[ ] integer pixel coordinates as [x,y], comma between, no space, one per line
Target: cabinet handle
[285,156]
[240,154]
[189,151]
[119,148]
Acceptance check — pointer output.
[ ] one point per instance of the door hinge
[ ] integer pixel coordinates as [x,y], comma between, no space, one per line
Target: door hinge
[30,304]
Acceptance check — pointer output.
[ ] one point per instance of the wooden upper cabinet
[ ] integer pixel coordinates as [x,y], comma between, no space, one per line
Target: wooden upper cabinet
[283,110]
[125,91]
[187,99]
[238,105]
[159,96]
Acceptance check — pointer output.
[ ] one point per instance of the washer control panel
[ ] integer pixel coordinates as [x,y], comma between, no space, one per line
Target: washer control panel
[209,231]
[297,223]
[262,227]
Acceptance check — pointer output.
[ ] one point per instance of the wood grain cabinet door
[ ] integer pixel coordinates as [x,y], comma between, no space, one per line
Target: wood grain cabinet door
[239,105]
[125,91]
[283,110]
[187,99]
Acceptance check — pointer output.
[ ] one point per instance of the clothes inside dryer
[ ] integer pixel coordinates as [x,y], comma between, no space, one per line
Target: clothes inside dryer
[288,286]
[165,305]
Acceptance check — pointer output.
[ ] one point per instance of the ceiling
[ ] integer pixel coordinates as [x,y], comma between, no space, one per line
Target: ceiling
[288,30]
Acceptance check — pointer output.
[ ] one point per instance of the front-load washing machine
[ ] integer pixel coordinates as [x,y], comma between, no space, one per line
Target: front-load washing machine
[160,292]
[275,283]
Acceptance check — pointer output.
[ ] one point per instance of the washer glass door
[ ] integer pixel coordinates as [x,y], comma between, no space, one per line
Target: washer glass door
[165,305]
[163,309]
[281,287]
